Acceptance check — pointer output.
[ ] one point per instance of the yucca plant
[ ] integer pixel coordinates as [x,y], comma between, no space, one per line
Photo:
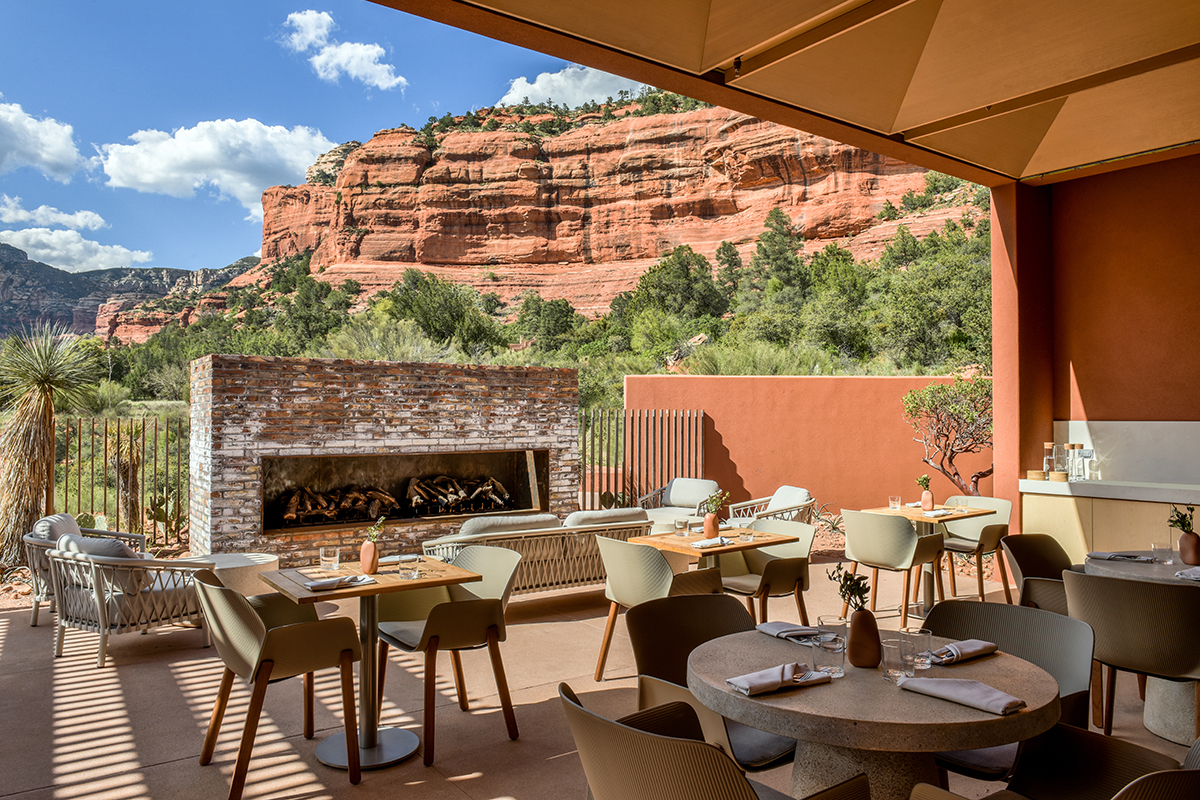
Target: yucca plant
[45,365]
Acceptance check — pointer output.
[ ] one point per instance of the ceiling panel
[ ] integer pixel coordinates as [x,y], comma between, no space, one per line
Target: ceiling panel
[737,28]
[1005,143]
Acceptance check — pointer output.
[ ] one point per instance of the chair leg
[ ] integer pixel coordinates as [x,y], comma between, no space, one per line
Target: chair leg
[846,604]
[103,650]
[608,633]
[349,717]
[218,714]
[430,698]
[460,682]
[34,619]
[916,589]
[798,593]
[950,572]
[308,704]
[762,602]
[1110,692]
[750,608]
[1142,687]
[979,573]
[904,598]
[248,732]
[1096,691]
[510,719]
[937,577]
[380,670]
[874,586]
[996,554]
[58,640]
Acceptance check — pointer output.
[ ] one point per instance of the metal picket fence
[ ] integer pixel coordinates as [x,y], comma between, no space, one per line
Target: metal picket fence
[626,453]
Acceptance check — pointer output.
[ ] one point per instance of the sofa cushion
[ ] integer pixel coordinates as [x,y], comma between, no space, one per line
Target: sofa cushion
[688,492]
[788,496]
[55,525]
[605,516]
[529,522]
[131,581]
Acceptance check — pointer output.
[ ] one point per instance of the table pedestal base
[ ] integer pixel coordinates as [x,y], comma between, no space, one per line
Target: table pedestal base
[892,775]
[394,745]
[1170,710]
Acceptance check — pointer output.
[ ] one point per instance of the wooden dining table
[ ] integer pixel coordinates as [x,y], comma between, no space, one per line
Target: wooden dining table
[862,722]
[378,746]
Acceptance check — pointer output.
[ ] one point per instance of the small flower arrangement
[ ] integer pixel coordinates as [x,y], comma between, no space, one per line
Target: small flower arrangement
[853,589]
[374,531]
[713,503]
[923,482]
[1181,519]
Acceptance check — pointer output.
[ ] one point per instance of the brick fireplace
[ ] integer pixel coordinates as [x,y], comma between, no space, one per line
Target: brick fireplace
[265,430]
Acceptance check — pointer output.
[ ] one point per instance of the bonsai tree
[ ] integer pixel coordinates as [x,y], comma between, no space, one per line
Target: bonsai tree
[952,419]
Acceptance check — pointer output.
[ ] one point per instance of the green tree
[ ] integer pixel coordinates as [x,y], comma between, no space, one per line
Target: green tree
[729,271]
[446,312]
[952,419]
[680,284]
[778,256]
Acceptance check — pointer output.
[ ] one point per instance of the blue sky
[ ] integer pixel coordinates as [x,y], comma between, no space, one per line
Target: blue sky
[139,133]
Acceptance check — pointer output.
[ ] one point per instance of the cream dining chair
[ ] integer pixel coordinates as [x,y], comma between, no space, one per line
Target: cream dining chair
[884,541]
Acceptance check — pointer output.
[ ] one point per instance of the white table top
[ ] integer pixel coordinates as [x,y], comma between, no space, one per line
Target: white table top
[1131,570]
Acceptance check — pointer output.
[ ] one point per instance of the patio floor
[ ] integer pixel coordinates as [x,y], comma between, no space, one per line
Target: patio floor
[134,728]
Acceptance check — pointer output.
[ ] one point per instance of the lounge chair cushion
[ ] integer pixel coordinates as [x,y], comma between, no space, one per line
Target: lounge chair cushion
[788,496]
[131,581]
[688,492]
[605,516]
[56,525]
[498,524]
[158,600]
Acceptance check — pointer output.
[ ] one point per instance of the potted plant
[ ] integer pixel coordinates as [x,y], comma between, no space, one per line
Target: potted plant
[863,649]
[368,553]
[712,505]
[1189,541]
[926,495]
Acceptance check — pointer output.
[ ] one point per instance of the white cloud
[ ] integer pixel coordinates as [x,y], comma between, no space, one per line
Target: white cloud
[69,251]
[240,158]
[360,61]
[44,144]
[11,211]
[573,85]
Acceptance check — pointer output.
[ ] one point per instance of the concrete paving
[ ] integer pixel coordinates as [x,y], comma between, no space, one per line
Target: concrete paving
[134,729]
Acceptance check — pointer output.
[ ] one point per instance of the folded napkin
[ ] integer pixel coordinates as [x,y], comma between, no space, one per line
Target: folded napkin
[717,542]
[961,651]
[968,693]
[938,512]
[786,630]
[399,559]
[913,505]
[1102,556]
[783,676]
[1190,574]
[338,583]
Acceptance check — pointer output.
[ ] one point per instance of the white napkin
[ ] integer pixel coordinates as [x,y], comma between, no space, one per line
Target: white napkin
[337,583]
[913,505]
[782,676]
[1189,574]
[717,542]
[786,630]
[975,694]
[938,512]
[399,559]
[961,651]
[1102,556]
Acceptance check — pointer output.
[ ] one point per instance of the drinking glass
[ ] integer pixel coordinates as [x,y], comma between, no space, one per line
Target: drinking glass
[829,656]
[1163,552]
[922,641]
[406,573]
[681,527]
[330,557]
[830,626]
[746,536]
[897,656]
[894,501]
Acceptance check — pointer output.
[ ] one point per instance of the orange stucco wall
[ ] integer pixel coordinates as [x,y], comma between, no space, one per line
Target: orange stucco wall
[842,438]
[1127,294]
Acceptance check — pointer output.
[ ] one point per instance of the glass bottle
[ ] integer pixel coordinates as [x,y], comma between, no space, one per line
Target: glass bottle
[1048,457]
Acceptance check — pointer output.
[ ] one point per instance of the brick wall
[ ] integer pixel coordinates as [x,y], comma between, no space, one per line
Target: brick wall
[245,408]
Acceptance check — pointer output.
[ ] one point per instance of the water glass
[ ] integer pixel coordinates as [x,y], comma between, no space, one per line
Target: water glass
[894,502]
[897,656]
[1163,552]
[746,536]
[681,527]
[922,642]
[406,573]
[830,626]
[829,656]
[330,558]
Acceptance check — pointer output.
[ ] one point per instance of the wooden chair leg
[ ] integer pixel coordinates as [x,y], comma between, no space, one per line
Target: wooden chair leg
[460,682]
[762,603]
[750,608]
[430,698]
[904,598]
[349,717]
[380,671]
[1096,691]
[1142,687]
[846,604]
[874,586]
[1196,703]
[950,572]
[253,712]
[1003,575]
[218,714]
[510,718]
[308,705]
[1110,692]
[937,577]
[798,593]
[608,634]
[916,584]
[979,573]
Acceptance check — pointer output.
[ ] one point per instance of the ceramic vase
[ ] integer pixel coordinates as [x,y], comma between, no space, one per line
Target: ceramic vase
[862,643]
[927,500]
[1189,549]
[368,557]
[711,530]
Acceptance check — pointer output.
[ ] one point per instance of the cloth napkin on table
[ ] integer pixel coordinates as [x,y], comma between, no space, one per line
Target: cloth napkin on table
[786,630]
[1102,556]
[939,512]
[961,651]
[337,583]
[1189,574]
[780,677]
[717,542]
[964,692]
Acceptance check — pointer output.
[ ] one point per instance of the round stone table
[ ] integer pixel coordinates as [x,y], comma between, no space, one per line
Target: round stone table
[863,723]
[239,571]
[1132,570]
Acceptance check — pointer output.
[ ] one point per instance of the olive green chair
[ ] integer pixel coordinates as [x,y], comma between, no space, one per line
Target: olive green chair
[775,571]
[884,541]
[454,618]
[265,639]
[638,573]
[977,536]
[1038,562]
[659,754]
